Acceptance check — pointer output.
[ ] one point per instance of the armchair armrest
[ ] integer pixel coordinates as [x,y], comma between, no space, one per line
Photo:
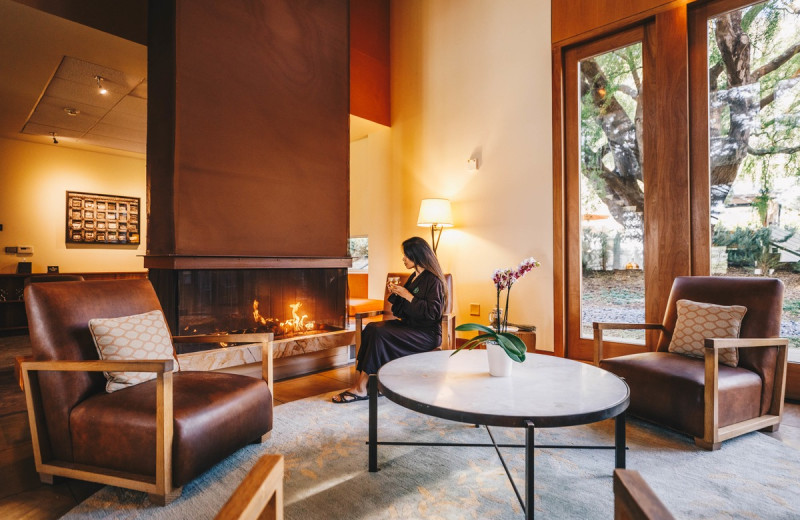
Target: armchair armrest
[260,495]
[265,338]
[712,346]
[150,365]
[448,331]
[367,314]
[599,327]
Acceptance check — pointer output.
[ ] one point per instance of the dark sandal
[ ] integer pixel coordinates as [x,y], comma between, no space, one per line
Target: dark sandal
[348,397]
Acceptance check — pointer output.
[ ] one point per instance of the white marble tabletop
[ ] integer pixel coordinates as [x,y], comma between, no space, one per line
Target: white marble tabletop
[548,390]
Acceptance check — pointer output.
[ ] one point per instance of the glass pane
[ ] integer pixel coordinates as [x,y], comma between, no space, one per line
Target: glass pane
[754,140]
[612,191]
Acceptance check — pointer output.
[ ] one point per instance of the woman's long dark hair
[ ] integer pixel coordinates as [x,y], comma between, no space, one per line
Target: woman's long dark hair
[420,253]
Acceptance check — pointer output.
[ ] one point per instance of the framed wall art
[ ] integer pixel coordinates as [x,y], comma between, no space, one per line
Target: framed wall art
[93,218]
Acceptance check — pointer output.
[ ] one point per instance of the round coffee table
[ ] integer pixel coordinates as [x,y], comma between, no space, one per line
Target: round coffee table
[542,392]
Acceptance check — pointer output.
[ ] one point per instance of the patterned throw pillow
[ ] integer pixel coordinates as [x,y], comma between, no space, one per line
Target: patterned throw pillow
[138,337]
[698,321]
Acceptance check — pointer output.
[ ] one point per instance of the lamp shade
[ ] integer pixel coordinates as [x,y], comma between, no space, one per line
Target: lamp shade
[435,212]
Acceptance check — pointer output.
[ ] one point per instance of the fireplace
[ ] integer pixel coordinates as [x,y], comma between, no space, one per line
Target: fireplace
[289,303]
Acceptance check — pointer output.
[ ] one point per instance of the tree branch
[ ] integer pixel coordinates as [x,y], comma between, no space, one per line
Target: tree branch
[776,62]
[769,98]
[625,89]
[713,74]
[772,151]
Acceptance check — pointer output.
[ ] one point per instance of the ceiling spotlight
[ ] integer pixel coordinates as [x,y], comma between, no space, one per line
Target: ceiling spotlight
[71,111]
[53,135]
[100,86]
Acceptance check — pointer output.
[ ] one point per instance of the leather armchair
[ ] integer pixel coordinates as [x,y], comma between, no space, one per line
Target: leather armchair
[153,437]
[448,318]
[700,397]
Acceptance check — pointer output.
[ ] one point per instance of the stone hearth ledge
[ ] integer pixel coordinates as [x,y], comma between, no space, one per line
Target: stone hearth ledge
[226,357]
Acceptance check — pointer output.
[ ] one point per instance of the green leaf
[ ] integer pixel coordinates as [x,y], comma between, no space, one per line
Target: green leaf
[477,340]
[518,343]
[475,326]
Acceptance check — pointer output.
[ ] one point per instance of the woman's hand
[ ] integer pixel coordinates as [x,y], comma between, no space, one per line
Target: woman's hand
[400,291]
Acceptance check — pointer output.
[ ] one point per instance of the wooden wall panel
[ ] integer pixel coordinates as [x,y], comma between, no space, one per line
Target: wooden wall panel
[666,159]
[261,143]
[574,20]
[369,60]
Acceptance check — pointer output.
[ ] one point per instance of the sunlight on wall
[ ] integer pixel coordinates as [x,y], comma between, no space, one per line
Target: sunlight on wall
[476,81]
[35,178]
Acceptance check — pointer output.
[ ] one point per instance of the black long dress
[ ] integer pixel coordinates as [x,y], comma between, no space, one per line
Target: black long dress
[417,329]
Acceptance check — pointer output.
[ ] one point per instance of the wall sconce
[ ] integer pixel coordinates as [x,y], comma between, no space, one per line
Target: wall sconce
[435,213]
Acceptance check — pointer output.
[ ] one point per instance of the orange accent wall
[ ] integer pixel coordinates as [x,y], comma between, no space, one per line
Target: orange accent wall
[369,60]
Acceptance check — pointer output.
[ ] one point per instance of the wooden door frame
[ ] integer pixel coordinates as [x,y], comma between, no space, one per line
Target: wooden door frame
[668,248]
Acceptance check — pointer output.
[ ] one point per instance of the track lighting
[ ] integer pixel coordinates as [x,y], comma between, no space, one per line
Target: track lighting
[100,86]
[53,135]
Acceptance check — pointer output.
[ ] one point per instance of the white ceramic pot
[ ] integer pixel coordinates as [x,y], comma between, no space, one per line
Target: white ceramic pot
[499,362]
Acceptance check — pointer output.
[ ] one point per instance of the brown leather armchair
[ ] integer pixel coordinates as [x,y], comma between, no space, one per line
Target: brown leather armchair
[155,436]
[700,397]
[448,318]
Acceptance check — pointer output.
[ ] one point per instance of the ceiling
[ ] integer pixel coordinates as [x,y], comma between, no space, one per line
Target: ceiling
[33,47]
[48,64]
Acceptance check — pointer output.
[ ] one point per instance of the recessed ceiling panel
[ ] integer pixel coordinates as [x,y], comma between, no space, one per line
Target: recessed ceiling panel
[117,119]
[117,144]
[36,129]
[126,120]
[119,132]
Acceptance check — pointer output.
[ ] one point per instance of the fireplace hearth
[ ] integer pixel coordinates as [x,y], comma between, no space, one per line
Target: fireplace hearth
[289,303]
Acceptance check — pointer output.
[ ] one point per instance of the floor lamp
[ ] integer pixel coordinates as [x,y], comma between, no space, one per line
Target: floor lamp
[436,214]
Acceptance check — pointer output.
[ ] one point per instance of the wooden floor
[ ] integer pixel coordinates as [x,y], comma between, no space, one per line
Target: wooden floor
[22,496]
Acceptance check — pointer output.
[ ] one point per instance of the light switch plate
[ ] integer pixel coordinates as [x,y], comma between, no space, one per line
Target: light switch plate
[474,309]
[25,250]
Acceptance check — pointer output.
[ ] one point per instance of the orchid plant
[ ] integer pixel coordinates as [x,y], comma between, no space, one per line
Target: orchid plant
[513,346]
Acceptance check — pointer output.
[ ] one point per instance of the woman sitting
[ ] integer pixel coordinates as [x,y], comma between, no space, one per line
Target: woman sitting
[418,306]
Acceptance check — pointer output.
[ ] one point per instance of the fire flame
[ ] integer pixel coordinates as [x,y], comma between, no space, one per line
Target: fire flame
[296,324]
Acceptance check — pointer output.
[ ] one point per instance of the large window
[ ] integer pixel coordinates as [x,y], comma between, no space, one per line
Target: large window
[754,148]
[611,190]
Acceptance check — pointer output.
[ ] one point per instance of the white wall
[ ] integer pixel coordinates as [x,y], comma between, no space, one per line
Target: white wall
[473,77]
[34,179]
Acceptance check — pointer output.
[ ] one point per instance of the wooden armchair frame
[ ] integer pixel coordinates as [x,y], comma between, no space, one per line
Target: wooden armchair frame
[635,500]
[260,494]
[713,434]
[160,487]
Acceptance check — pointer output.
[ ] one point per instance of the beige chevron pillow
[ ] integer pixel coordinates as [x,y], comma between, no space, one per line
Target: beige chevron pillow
[698,321]
[138,337]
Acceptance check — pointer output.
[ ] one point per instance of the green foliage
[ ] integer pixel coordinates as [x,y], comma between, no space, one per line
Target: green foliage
[594,249]
[513,346]
[749,247]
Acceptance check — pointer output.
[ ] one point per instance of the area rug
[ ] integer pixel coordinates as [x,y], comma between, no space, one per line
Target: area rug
[326,475]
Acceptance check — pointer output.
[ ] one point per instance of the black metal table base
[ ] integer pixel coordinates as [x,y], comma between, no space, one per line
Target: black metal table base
[527,504]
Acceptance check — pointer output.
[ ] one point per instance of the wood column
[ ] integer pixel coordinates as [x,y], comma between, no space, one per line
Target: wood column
[248,136]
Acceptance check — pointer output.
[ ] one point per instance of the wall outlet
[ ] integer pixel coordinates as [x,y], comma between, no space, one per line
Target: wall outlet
[25,250]
[474,309]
